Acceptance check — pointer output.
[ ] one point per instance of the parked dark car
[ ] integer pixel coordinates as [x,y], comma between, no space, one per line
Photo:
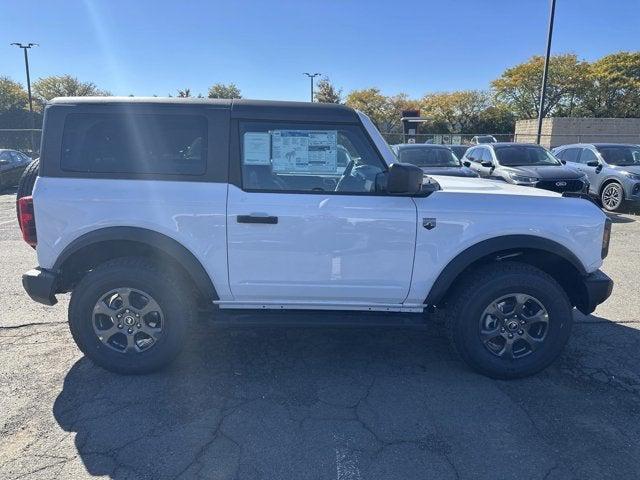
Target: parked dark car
[432,159]
[12,164]
[525,164]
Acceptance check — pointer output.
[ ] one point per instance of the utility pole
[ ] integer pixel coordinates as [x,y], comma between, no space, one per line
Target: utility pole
[25,48]
[311,77]
[546,69]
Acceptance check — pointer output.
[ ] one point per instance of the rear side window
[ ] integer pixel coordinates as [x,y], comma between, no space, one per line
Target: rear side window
[134,143]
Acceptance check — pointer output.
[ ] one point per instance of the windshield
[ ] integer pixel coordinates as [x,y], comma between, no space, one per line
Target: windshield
[486,139]
[428,157]
[520,155]
[621,156]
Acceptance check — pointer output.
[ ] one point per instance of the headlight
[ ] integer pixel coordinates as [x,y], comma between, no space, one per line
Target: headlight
[523,179]
[632,176]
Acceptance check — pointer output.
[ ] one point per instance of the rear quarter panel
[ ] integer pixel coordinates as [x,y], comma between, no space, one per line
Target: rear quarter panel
[192,213]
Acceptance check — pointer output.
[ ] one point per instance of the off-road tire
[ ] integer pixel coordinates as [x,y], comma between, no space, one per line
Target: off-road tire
[176,302]
[26,182]
[482,286]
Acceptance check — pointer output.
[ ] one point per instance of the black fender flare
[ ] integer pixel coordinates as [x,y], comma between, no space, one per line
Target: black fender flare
[159,241]
[491,246]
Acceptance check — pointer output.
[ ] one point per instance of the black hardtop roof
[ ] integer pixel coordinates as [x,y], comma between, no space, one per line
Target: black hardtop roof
[240,108]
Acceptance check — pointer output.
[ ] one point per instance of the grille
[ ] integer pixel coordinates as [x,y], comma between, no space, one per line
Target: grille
[570,185]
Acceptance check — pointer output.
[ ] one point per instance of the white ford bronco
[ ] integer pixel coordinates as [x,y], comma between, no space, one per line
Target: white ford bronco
[148,210]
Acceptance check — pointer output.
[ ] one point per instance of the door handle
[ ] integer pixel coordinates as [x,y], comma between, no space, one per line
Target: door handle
[267,219]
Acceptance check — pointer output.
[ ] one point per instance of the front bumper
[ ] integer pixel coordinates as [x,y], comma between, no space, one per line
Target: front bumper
[595,289]
[40,284]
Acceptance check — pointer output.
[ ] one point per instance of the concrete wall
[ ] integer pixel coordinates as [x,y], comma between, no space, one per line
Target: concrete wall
[563,130]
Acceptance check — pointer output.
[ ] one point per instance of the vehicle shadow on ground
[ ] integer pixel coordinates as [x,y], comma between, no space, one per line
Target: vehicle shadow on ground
[8,191]
[352,402]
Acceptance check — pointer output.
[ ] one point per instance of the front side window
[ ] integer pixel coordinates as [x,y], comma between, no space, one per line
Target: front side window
[303,158]
[587,156]
[135,143]
[486,155]
[621,156]
[428,157]
[570,155]
[521,155]
[473,153]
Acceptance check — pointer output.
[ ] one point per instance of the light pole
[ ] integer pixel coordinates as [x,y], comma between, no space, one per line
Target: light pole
[25,48]
[546,68]
[311,77]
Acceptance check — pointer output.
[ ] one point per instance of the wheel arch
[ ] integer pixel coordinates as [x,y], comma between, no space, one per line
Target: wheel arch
[606,182]
[548,255]
[98,246]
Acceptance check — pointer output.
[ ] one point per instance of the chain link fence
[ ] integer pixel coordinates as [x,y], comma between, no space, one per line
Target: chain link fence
[26,140]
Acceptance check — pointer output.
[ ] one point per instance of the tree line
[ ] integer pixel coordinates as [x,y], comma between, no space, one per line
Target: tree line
[607,87]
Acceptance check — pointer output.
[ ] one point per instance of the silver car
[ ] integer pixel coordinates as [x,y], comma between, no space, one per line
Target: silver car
[613,170]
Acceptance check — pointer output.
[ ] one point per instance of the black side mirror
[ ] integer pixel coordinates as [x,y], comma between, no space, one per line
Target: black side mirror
[487,164]
[593,163]
[466,163]
[564,162]
[404,179]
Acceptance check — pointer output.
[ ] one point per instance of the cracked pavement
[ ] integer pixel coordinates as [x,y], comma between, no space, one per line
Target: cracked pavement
[317,401]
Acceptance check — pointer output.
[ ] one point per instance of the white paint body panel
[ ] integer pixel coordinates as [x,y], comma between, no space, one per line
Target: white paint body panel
[324,248]
[192,213]
[471,210]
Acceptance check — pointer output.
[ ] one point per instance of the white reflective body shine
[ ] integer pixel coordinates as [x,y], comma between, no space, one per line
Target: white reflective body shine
[327,251]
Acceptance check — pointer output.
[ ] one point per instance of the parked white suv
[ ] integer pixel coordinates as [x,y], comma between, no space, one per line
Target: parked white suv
[146,208]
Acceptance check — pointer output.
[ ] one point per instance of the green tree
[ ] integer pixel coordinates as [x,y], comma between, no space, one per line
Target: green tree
[221,90]
[53,86]
[613,87]
[12,95]
[326,92]
[186,93]
[519,86]
[457,111]
[385,112]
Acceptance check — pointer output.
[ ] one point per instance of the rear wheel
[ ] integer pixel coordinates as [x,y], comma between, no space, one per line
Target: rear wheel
[612,197]
[130,317]
[509,320]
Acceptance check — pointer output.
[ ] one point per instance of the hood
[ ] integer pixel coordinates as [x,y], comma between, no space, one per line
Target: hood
[546,172]
[489,187]
[450,171]
[631,169]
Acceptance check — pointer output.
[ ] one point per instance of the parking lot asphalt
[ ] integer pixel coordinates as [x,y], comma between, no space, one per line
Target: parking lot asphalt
[317,402]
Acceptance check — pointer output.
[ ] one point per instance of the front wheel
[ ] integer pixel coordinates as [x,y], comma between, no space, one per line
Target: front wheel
[509,320]
[612,197]
[130,317]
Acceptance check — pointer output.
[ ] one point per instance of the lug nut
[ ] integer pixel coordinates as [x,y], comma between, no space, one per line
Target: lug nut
[520,332]
[138,325]
[127,310]
[130,330]
[521,322]
[119,325]
[511,335]
[137,314]
[119,315]
[502,330]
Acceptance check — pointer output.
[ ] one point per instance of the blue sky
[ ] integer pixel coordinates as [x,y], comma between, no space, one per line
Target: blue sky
[146,47]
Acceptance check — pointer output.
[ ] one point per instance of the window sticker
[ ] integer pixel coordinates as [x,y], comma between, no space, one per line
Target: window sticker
[304,151]
[257,148]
